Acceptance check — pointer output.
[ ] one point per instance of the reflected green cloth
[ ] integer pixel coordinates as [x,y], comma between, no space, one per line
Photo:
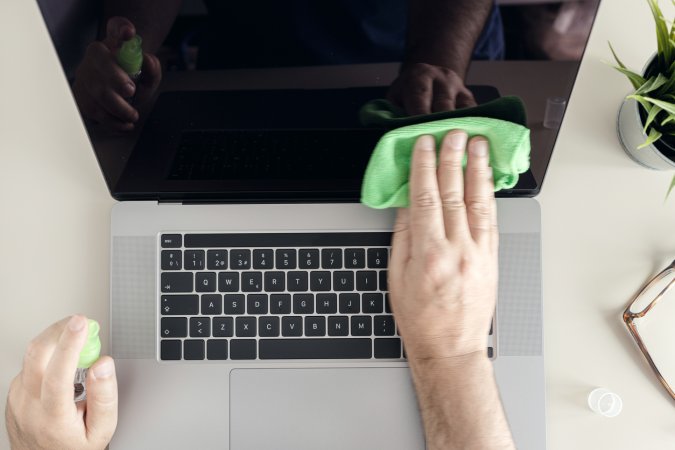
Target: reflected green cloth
[382,113]
[385,183]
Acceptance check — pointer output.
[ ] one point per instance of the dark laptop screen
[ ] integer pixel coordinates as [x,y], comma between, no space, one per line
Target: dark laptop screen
[234,101]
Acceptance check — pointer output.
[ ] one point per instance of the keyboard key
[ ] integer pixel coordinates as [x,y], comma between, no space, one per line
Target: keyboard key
[490,352]
[170,349]
[350,304]
[366,280]
[200,327]
[280,303]
[176,281]
[173,327]
[256,304]
[193,260]
[326,303]
[308,258]
[291,326]
[216,259]
[245,326]
[212,304]
[172,260]
[228,282]
[216,349]
[361,326]
[223,326]
[338,326]
[372,303]
[378,258]
[179,305]
[275,281]
[383,281]
[205,282]
[297,281]
[193,349]
[263,259]
[384,326]
[233,304]
[171,241]
[331,258]
[251,281]
[387,305]
[321,348]
[303,304]
[286,259]
[387,348]
[355,258]
[319,281]
[343,280]
[243,349]
[315,326]
[268,326]
[240,259]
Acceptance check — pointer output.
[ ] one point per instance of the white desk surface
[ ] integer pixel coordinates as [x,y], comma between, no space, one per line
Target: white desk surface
[606,228]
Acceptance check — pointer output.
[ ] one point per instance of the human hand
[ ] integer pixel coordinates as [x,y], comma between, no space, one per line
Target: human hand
[41,413]
[425,88]
[443,268]
[101,86]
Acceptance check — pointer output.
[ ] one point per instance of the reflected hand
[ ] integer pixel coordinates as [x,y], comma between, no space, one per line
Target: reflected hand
[101,86]
[41,413]
[443,268]
[424,88]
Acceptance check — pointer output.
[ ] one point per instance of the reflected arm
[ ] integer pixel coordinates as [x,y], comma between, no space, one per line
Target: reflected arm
[444,32]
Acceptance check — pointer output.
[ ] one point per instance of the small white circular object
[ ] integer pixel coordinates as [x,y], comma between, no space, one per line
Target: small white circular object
[605,402]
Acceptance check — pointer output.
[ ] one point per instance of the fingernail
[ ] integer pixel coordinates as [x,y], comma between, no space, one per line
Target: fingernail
[76,323]
[130,88]
[458,140]
[105,369]
[427,142]
[479,148]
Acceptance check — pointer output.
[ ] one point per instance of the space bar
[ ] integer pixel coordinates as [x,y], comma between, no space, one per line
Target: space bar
[315,348]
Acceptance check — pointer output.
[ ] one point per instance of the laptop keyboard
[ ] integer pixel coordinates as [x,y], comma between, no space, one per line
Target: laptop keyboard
[283,296]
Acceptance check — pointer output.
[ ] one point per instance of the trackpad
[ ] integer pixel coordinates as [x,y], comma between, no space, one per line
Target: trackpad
[335,408]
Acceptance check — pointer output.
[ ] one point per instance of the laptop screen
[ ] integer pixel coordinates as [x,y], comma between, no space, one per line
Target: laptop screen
[204,100]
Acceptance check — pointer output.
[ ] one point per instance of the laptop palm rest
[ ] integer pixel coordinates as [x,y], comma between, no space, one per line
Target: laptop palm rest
[334,408]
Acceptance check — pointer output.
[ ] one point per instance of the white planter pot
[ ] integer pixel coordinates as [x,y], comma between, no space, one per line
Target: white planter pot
[631,135]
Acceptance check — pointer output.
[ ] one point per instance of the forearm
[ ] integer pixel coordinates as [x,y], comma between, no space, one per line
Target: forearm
[460,403]
[153,19]
[444,32]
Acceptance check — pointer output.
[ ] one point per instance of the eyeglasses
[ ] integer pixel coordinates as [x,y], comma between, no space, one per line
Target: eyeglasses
[661,283]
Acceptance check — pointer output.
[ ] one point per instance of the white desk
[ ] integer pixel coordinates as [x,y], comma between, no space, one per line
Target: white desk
[603,235]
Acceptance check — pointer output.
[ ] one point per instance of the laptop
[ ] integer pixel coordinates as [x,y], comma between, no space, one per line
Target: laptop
[249,301]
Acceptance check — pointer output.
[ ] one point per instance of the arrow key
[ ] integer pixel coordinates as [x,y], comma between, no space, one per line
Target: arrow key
[200,327]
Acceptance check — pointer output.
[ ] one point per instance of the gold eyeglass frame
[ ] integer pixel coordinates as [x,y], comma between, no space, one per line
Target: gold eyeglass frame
[629,317]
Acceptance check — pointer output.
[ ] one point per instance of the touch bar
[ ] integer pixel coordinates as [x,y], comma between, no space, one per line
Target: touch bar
[315,348]
[379,239]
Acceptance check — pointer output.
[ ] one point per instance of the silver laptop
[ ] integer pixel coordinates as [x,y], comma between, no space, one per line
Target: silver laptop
[249,301]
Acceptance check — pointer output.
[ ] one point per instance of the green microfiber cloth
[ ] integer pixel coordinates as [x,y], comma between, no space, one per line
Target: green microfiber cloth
[385,184]
[382,113]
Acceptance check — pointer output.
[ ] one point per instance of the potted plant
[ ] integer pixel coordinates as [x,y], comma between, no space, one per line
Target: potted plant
[646,123]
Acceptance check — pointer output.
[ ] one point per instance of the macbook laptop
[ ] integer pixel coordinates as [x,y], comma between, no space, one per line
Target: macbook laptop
[249,299]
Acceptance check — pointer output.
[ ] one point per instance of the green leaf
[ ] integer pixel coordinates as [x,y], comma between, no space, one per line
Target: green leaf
[670,188]
[667,120]
[651,116]
[636,80]
[642,101]
[662,32]
[654,136]
[669,107]
[653,84]
[618,61]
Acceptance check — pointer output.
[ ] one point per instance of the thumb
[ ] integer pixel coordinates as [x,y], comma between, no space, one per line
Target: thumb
[118,30]
[101,418]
